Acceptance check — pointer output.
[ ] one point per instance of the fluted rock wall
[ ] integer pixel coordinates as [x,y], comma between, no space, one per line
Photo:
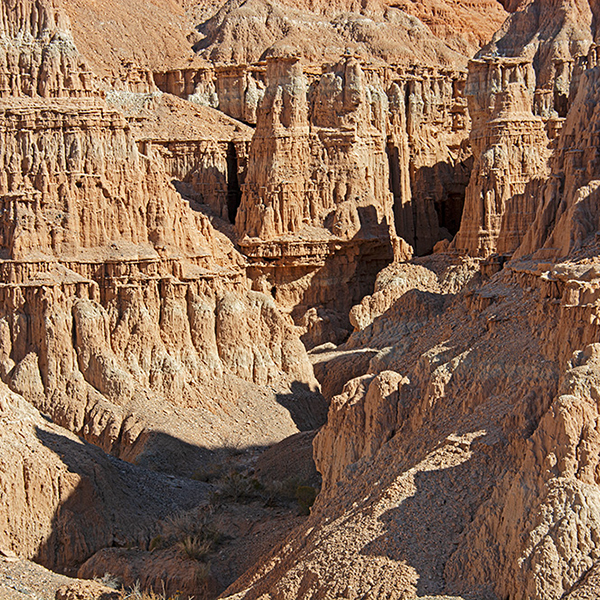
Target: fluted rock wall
[508,190]
[422,117]
[140,275]
[430,158]
[553,37]
[37,53]
[58,160]
[462,460]
[485,389]
[568,213]
[204,152]
[101,353]
[511,149]
[237,90]
[124,311]
[340,164]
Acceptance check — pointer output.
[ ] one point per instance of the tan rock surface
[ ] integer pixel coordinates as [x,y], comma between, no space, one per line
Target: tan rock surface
[86,590]
[241,32]
[64,499]
[510,148]
[460,454]
[340,164]
[487,486]
[526,80]
[131,293]
[21,579]
[482,382]
[567,214]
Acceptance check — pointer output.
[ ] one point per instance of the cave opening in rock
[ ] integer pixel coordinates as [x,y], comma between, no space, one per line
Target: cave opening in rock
[234,193]
[450,211]
[561,104]
[394,164]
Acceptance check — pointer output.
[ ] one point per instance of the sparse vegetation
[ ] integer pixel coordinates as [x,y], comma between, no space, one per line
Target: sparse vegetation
[136,593]
[156,543]
[192,533]
[236,487]
[196,523]
[239,487]
[195,548]
[110,581]
[277,491]
[306,496]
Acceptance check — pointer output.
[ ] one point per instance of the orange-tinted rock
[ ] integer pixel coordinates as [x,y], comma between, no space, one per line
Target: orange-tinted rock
[164,571]
[242,33]
[510,148]
[39,56]
[568,215]
[119,297]
[66,499]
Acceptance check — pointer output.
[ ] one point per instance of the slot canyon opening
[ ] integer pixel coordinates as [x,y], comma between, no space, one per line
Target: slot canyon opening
[449,211]
[438,190]
[402,218]
[234,193]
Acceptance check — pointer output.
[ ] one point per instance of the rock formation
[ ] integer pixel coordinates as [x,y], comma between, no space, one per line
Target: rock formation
[568,214]
[117,295]
[64,499]
[450,464]
[511,149]
[523,82]
[241,32]
[461,459]
[175,232]
[341,164]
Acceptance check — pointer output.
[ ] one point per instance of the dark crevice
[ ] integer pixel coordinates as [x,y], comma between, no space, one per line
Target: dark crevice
[234,193]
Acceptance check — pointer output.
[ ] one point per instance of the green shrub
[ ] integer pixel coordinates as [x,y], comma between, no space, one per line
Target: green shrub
[306,496]
[237,487]
[156,543]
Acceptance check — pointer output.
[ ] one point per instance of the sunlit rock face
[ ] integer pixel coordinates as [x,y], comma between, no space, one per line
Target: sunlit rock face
[120,299]
[511,149]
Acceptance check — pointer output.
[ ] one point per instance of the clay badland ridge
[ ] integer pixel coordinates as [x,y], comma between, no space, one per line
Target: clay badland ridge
[193,195]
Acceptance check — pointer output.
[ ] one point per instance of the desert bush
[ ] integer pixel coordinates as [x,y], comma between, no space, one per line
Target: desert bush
[156,543]
[276,491]
[191,532]
[195,523]
[289,490]
[195,548]
[208,474]
[136,593]
[110,581]
[306,496]
[236,487]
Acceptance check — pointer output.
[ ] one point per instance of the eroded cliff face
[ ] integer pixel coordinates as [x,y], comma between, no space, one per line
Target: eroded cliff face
[532,70]
[316,210]
[123,309]
[451,464]
[462,457]
[150,244]
[348,171]
[511,150]
[567,212]
[64,499]
[37,54]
